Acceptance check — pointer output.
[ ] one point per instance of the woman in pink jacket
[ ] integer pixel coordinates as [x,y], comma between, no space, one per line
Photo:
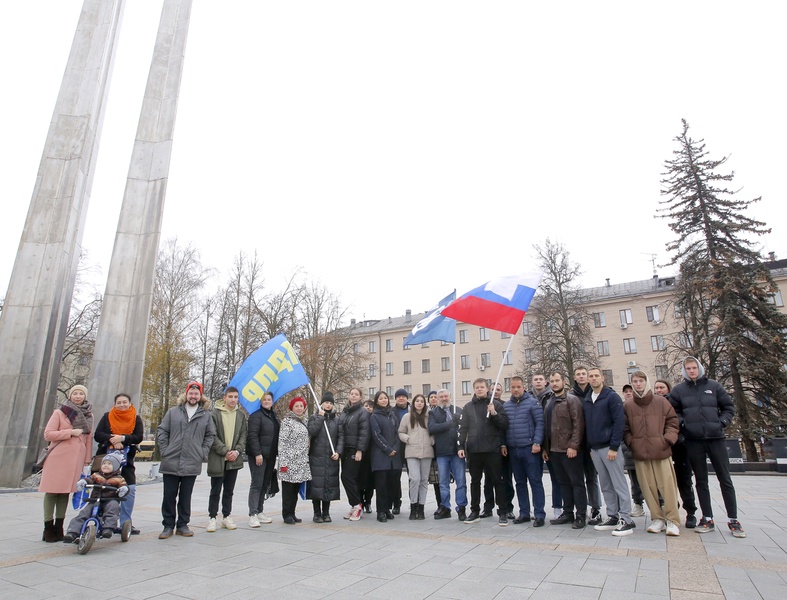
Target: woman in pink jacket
[69,433]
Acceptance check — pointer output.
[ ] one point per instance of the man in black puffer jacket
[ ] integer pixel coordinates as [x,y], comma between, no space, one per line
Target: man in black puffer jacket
[482,428]
[705,410]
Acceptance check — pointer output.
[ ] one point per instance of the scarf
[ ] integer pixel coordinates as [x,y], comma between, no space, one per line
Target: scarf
[81,417]
[122,422]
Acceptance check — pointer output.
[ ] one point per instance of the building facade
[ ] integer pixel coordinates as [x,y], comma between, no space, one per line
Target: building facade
[633,325]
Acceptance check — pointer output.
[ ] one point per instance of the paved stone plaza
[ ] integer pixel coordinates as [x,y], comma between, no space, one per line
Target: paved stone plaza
[403,559]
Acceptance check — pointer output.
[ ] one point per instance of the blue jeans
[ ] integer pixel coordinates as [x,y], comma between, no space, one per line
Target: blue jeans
[447,466]
[528,468]
[127,506]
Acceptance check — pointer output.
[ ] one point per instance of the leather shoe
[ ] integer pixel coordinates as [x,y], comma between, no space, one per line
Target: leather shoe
[579,523]
[563,519]
[165,533]
[522,519]
[288,520]
[382,517]
[184,531]
[390,515]
[134,530]
[510,516]
[296,519]
[539,522]
[486,514]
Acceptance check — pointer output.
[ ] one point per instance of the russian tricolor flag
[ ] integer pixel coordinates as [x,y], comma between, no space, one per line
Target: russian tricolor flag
[499,304]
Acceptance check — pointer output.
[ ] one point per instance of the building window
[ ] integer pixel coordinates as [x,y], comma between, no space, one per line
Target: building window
[408,368]
[445,363]
[467,389]
[776,299]
[389,368]
[446,385]
[409,390]
[356,348]
[625,317]
[608,378]
[653,313]
[599,319]
[662,372]
[425,389]
[506,384]
[372,346]
[388,390]
[630,345]
[425,345]
[463,336]
[405,346]
[486,359]
[372,392]
[372,370]
[603,348]
[527,328]
[657,342]
[504,335]
[389,345]
[686,340]
[530,355]
[425,364]
[483,334]
[465,361]
[508,357]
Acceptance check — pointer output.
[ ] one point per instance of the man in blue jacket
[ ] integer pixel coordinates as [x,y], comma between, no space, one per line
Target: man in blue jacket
[604,425]
[705,410]
[523,447]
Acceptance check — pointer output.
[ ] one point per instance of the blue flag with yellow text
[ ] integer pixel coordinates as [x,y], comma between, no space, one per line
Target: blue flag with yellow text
[272,368]
[434,326]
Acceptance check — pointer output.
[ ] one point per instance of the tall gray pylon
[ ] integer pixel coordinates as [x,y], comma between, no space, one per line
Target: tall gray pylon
[37,305]
[119,354]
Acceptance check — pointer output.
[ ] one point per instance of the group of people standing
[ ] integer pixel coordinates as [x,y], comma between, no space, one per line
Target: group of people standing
[583,434]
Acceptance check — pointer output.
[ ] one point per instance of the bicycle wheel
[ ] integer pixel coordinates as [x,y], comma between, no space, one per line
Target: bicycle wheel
[87,538]
[125,531]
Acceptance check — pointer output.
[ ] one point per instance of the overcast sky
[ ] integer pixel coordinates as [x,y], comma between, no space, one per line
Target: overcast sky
[398,150]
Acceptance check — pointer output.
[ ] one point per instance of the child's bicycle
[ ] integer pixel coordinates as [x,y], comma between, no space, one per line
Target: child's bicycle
[91,528]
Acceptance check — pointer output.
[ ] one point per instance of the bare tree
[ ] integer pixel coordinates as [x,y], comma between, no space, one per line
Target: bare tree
[175,311]
[559,332]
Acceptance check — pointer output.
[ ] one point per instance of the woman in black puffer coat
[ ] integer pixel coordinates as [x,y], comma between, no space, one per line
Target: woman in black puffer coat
[324,458]
[386,461]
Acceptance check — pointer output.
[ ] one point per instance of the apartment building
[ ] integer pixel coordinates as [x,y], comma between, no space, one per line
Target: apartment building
[631,325]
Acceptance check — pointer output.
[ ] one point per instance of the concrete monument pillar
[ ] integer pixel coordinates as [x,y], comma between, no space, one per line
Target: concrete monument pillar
[119,353]
[38,301]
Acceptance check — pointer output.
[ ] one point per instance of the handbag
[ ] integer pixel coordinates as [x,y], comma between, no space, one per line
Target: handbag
[38,466]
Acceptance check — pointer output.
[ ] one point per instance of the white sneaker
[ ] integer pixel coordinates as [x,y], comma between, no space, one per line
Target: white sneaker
[672,529]
[211,526]
[637,510]
[254,521]
[355,513]
[263,518]
[228,523]
[657,526]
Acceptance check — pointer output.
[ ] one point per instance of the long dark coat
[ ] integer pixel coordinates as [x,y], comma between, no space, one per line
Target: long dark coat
[325,470]
[384,424]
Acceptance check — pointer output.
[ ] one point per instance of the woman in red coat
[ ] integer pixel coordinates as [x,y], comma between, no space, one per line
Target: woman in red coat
[70,449]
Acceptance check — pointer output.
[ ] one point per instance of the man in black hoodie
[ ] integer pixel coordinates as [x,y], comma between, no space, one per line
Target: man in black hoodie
[482,428]
[705,410]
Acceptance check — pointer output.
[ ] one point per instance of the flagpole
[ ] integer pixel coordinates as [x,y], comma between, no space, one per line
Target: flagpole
[453,377]
[324,422]
[499,372]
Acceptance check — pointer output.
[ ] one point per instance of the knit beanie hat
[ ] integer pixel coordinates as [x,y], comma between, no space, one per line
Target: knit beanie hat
[114,459]
[77,387]
[295,400]
[327,397]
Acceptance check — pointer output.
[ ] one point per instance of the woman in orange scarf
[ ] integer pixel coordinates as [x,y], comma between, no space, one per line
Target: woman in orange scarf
[122,428]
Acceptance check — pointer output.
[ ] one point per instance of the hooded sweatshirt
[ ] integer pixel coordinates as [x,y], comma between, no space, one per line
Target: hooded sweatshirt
[704,407]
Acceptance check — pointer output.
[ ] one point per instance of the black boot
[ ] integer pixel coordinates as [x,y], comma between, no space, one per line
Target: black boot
[58,529]
[397,505]
[49,532]
[420,512]
[413,512]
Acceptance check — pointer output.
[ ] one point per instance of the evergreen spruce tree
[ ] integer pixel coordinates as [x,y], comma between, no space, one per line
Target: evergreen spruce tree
[725,290]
